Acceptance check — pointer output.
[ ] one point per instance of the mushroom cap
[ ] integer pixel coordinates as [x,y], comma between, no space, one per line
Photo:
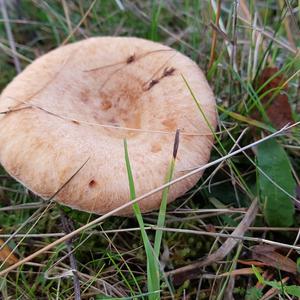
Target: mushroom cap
[80,101]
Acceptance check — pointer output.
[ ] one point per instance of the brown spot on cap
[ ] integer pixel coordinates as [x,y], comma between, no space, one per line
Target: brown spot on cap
[155,148]
[106,105]
[112,121]
[130,59]
[92,183]
[170,124]
[84,95]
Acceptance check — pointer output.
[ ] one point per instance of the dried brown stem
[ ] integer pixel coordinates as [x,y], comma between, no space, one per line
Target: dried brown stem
[10,36]
[214,37]
[68,227]
[191,271]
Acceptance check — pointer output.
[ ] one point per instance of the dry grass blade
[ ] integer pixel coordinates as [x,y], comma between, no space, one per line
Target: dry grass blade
[73,119]
[68,227]
[10,36]
[79,24]
[223,29]
[268,255]
[245,16]
[192,270]
[23,206]
[238,272]
[36,215]
[214,36]
[143,16]
[287,22]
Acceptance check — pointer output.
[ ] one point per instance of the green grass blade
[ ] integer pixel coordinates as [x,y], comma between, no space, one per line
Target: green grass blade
[156,8]
[153,272]
[246,120]
[163,205]
[231,165]
[121,273]
[278,207]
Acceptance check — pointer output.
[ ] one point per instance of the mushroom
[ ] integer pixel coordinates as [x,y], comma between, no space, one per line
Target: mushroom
[78,103]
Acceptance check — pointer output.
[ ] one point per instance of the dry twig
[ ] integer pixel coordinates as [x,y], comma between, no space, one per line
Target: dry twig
[192,270]
[214,37]
[10,36]
[68,227]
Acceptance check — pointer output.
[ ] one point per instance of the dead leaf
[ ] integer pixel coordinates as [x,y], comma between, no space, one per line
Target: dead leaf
[268,255]
[210,228]
[251,263]
[275,102]
[192,270]
[238,272]
[276,82]
[7,255]
[279,112]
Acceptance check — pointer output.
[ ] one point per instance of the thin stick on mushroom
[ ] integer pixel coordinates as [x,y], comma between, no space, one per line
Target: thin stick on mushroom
[190,271]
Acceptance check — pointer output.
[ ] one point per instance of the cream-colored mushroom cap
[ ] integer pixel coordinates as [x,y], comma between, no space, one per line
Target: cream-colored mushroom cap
[79,102]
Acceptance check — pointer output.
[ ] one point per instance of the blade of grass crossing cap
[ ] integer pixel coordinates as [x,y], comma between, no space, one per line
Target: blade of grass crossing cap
[163,205]
[153,273]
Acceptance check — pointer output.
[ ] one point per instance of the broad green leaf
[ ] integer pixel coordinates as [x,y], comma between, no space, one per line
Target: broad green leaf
[254,294]
[293,290]
[276,184]
[274,284]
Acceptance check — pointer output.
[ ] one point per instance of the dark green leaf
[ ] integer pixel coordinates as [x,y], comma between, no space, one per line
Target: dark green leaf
[276,183]
[253,294]
[293,290]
